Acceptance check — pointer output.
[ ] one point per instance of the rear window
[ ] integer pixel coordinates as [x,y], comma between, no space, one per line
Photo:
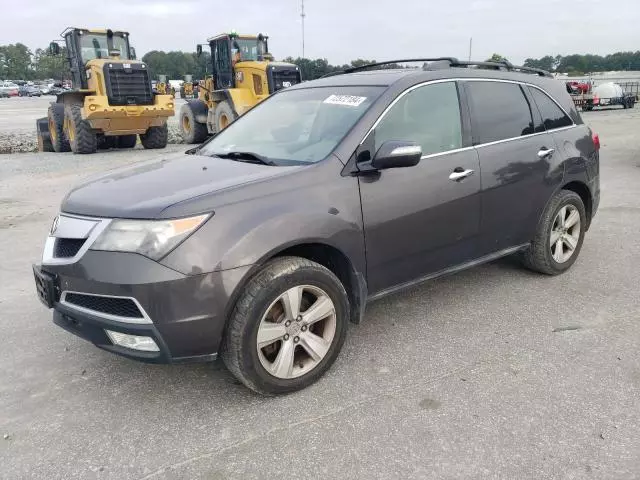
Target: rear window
[552,115]
[499,111]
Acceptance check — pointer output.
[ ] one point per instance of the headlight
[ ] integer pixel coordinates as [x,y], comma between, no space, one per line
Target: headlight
[151,238]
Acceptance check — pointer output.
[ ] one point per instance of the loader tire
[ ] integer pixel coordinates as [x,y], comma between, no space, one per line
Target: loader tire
[82,138]
[126,141]
[225,116]
[55,116]
[155,137]
[191,130]
[106,143]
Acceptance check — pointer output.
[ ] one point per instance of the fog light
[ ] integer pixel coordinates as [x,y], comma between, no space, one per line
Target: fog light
[134,342]
[92,108]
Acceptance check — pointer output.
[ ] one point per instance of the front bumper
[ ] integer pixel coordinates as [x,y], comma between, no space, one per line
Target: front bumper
[184,314]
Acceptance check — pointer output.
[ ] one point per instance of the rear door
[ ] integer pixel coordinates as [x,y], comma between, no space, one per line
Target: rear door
[518,160]
[422,219]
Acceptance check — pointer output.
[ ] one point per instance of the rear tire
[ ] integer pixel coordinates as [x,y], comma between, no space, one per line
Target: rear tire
[82,138]
[126,141]
[261,368]
[106,143]
[224,115]
[55,116]
[553,233]
[155,137]
[191,130]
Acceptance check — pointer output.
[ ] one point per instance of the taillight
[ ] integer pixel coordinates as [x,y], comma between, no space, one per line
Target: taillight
[596,141]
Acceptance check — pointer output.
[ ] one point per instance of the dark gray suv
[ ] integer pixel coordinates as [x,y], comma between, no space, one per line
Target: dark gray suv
[268,239]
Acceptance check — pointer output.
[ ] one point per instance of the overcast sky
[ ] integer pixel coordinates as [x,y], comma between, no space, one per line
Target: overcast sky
[342,30]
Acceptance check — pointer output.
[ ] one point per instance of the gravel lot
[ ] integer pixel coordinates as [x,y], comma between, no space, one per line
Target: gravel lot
[493,373]
[18,117]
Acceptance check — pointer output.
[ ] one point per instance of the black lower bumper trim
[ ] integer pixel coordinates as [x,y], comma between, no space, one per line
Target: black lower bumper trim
[93,329]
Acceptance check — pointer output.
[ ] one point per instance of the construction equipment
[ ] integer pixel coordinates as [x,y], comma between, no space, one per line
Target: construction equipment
[187,88]
[243,74]
[163,87]
[111,100]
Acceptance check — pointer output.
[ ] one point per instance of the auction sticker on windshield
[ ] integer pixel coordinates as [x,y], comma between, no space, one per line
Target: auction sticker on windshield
[348,100]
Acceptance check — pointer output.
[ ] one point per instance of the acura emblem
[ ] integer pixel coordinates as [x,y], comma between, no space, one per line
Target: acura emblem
[54,225]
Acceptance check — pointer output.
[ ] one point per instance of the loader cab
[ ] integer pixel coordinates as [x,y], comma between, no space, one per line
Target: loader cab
[84,45]
[229,49]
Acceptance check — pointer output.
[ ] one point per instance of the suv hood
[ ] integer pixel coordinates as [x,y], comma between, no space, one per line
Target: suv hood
[146,190]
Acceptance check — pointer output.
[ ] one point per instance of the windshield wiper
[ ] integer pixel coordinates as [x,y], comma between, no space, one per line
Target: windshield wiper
[246,157]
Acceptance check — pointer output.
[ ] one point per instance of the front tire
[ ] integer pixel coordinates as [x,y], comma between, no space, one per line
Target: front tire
[287,327]
[155,137]
[560,235]
[82,139]
[191,130]
[224,116]
[55,118]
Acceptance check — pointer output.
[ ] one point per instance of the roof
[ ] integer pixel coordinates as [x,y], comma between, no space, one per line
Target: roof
[222,35]
[418,75]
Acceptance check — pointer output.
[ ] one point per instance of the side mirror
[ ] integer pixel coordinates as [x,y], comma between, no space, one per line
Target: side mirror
[198,49]
[397,154]
[132,53]
[54,48]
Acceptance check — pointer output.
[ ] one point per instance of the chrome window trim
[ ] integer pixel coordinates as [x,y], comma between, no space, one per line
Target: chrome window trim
[116,318]
[48,257]
[462,79]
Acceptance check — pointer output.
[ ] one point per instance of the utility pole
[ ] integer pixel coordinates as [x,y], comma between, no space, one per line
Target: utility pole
[470,47]
[302,15]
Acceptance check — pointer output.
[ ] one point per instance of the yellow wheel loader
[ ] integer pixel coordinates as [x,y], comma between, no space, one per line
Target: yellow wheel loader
[187,89]
[111,101]
[163,87]
[243,74]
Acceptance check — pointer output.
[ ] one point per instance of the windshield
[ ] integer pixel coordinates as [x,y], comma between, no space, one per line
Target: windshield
[296,126]
[95,46]
[248,48]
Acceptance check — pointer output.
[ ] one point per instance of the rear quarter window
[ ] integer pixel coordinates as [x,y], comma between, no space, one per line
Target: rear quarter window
[552,115]
[499,111]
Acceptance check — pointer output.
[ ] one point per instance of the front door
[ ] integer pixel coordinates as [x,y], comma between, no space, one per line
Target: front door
[222,62]
[423,219]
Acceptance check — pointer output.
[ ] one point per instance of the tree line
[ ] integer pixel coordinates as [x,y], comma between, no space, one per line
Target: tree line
[18,62]
[581,64]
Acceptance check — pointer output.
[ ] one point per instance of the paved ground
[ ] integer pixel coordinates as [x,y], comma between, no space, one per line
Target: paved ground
[493,373]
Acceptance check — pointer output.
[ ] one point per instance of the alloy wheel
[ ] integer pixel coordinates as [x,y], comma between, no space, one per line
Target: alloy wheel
[296,332]
[565,233]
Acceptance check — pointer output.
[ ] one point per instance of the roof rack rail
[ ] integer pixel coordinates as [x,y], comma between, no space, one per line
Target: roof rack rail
[503,64]
[390,62]
[447,62]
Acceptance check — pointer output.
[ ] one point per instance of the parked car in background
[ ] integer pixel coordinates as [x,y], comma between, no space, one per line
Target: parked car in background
[9,89]
[29,91]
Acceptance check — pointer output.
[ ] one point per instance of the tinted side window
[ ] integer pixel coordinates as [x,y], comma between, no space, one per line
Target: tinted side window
[552,114]
[499,111]
[428,115]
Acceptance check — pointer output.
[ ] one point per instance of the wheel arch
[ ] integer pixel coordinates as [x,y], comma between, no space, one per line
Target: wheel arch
[72,98]
[325,254]
[582,190]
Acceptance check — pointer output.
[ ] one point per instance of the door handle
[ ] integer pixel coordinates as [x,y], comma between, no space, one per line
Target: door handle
[545,152]
[458,174]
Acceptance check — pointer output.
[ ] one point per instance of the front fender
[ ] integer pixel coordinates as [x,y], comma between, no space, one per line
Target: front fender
[254,238]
